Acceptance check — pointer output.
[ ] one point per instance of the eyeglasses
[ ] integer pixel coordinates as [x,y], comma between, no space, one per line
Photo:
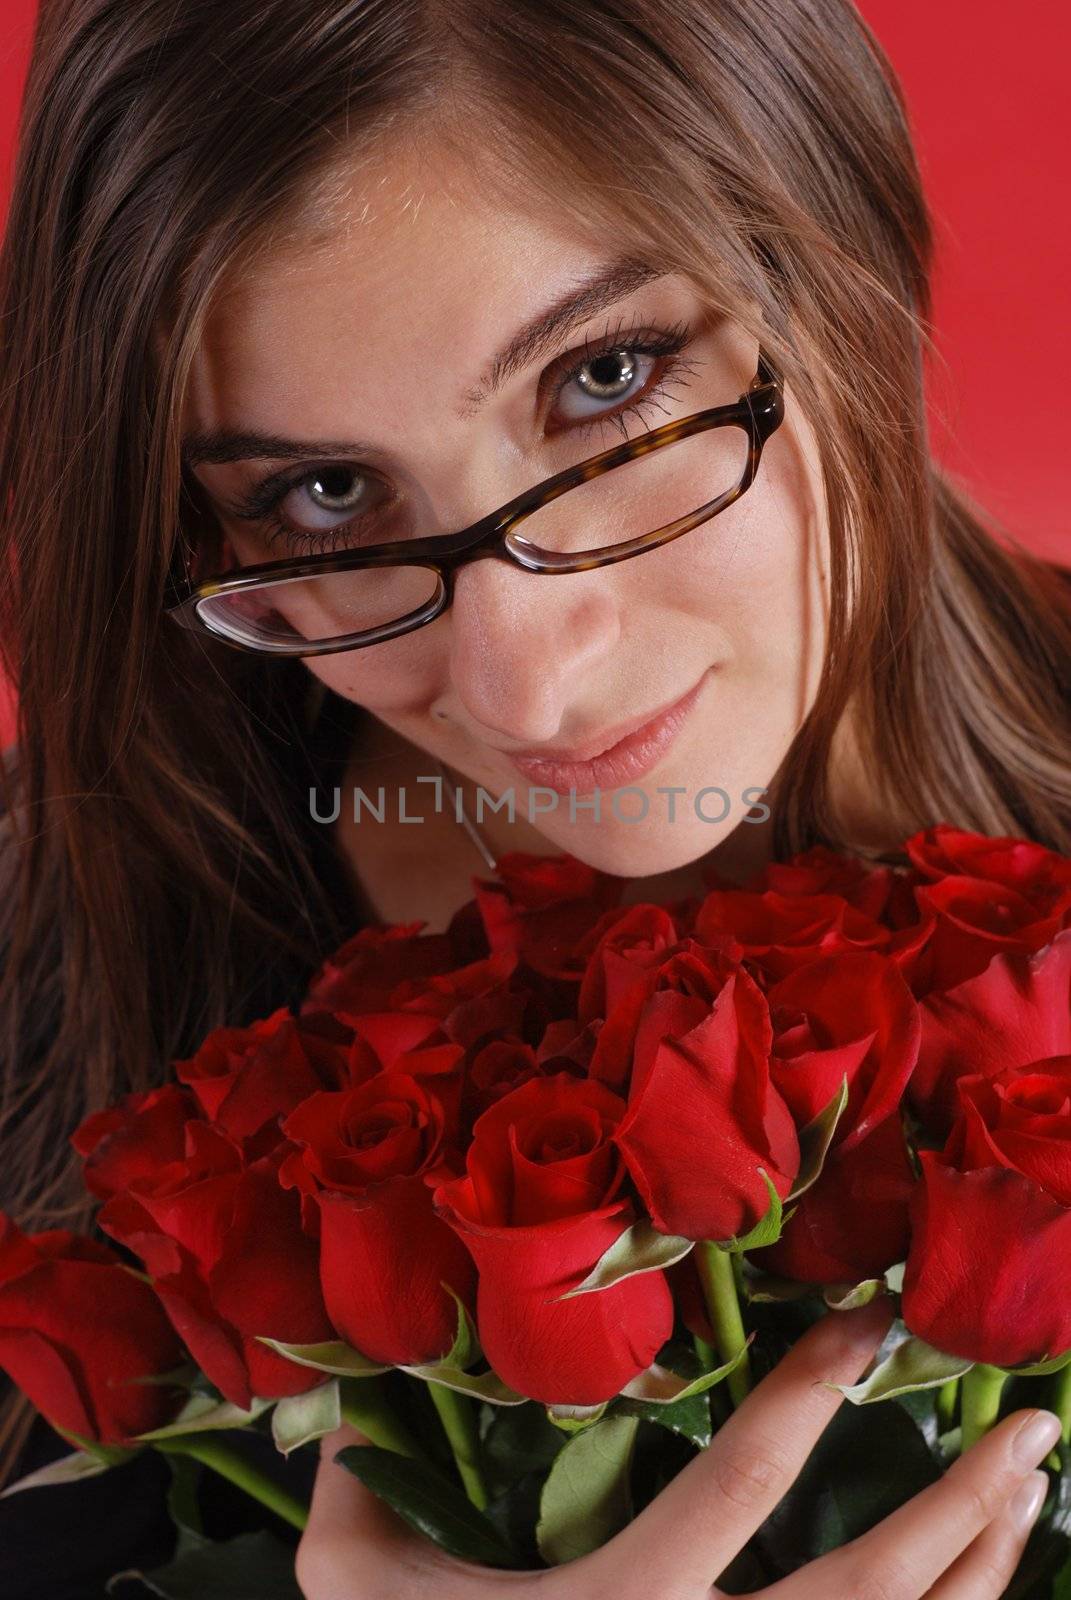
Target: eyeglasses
[623,502]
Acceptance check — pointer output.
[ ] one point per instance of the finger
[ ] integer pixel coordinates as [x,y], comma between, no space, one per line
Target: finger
[694,1527]
[984,1570]
[913,1547]
[351,1532]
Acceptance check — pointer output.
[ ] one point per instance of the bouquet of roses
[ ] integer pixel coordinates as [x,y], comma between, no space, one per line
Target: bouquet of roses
[535,1200]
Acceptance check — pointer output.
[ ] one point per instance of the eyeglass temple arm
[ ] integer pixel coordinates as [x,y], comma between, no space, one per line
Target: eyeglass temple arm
[766,373]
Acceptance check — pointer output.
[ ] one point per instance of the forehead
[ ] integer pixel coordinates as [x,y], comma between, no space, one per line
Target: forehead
[407,262]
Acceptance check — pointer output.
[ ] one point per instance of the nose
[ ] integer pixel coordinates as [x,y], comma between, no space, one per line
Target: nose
[522,642]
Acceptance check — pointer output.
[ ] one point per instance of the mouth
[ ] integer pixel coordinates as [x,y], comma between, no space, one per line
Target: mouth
[623,761]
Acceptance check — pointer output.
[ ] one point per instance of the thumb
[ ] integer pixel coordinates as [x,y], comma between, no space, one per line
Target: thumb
[343,1513]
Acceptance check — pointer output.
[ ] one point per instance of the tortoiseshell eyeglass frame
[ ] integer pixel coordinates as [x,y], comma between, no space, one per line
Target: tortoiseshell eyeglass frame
[759,412]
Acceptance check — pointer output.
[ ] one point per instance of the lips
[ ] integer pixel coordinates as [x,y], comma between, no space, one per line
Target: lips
[633,754]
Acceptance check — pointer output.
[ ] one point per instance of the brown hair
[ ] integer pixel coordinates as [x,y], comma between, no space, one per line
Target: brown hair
[153,847]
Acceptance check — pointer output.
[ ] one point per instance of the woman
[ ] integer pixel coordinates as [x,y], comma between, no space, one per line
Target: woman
[283,284]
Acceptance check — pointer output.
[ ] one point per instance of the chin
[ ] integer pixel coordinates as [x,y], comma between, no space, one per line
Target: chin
[640,849]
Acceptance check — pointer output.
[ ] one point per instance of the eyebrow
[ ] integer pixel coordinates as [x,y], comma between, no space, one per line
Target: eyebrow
[613,282]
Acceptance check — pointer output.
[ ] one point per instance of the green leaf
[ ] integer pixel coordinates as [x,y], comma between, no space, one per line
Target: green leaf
[1040,1369]
[466,1346]
[894,1278]
[517,1441]
[183,1506]
[912,1365]
[640,1248]
[68,1469]
[255,1566]
[480,1385]
[333,1356]
[203,1413]
[865,1465]
[429,1502]
[586,1497]
[768,1231]
[300,1418]
[688,1417]
[112,1455]
[849,1297]
[659,1386]
[815,1140]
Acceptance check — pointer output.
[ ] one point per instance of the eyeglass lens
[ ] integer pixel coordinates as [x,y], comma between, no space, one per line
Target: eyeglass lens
[649,492]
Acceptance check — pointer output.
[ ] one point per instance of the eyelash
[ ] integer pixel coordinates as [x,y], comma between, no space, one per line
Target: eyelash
[639,338]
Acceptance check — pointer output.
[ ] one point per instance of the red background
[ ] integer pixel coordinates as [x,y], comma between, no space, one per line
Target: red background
[986,87]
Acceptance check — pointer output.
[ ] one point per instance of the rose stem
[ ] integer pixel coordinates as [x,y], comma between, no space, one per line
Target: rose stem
[458,1417]
[947,1395]
[214,1452]
[980,1401]
[718,1278]
[1062,1400]
[364,1408]
[704,1351]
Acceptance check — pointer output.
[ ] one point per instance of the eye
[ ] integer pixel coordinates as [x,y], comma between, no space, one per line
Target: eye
[328,496]
[604,380]
[613,377]
[598,385]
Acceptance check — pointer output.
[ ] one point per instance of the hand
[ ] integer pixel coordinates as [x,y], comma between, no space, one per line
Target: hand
[959,1539]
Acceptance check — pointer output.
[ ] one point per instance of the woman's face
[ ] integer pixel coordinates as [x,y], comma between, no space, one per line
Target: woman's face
[383,337]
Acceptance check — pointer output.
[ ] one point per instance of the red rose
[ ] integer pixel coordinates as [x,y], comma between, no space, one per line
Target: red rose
[538,1205]
[405,1042]
[990,1260]
[245,1078]
[780,932]
[703,1116]
[79,1333]
[625,943]
[1018,1010]
[968,921]
[539,907]
[480,990]
[565,1047]
[499,1067]
[821,871]
[135,1138]
[846,1016]
[228,1257]
[1039,875]
[369,1157]
[686,968]
[364,972]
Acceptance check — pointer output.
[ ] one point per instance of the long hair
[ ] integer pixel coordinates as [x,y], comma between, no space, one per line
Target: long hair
[156,877]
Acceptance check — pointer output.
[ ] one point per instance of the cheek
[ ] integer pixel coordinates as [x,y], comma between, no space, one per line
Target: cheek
[400,677]
[765,583]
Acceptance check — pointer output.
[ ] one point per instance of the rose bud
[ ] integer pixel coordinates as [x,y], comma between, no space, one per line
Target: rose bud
[990,1261]
[540,1202]
[1018,1010]
[80,1334]
[134,1139]
[228,1257]
[848,1016]
[703,1116]
[246,1078]
[368,1158]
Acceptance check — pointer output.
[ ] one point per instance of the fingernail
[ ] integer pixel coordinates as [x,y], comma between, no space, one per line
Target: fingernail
[1036,1438]
[1029,1500]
